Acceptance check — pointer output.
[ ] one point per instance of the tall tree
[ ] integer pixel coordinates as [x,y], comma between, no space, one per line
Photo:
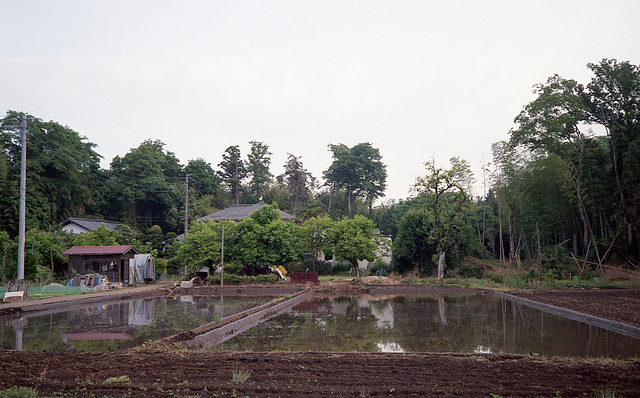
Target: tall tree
[448,191]
[615,103]
[358,170]
[233,171]
[151,187]
[510,165]
[203,180]
[60,166]
[258,162]
[299,182]
[554,122]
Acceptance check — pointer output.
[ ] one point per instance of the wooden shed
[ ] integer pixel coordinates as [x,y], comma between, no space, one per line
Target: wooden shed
[112,261]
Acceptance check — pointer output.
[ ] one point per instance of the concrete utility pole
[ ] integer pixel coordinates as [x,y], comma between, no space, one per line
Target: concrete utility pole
[186,206]
[23,200]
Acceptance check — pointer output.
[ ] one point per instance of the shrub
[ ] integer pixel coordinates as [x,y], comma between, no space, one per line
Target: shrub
[229,279]
[232,269]
[232,279]
[161,265]
[554,259]
[470,269]
[341,268]
[378,267]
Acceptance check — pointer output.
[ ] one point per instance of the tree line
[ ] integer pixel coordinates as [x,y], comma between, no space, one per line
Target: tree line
[555,194]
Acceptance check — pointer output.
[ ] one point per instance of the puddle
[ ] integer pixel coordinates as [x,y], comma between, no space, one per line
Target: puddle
[451,323]
[117,324]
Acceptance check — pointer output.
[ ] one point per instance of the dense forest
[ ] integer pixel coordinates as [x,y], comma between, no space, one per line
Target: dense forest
[555,194]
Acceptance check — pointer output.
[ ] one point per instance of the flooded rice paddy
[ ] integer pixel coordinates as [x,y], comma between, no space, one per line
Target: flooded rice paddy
[117,324]
[470,323]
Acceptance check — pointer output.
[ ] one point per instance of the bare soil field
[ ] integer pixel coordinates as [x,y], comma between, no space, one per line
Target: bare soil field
[163,370]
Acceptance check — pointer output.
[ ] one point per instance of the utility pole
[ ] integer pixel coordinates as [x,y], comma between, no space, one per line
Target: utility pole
[23,196]
[186,206]
[222,258]
[23,200]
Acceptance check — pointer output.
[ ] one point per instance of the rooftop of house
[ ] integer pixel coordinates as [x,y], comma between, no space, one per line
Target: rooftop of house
[99,250]
[90,224]
[238,212]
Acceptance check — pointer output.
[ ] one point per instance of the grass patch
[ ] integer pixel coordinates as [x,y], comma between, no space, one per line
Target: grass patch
[116,380]
[240,375]
[328,278]
[18,392]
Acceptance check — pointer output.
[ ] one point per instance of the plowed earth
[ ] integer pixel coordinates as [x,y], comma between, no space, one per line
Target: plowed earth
[163,371]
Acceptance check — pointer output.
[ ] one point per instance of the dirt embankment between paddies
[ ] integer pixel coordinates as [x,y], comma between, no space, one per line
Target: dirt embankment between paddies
[168,370]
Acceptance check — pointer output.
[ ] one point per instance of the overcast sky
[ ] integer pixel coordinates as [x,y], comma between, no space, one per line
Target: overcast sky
[416,79]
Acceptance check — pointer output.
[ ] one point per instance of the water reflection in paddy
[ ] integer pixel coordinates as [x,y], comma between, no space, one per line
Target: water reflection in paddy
[116,325]
[452,323]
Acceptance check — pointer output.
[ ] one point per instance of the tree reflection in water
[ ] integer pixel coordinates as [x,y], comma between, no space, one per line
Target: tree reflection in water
[429,323]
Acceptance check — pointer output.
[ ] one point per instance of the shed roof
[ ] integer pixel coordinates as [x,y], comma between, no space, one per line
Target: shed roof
[238,212]
[99,250]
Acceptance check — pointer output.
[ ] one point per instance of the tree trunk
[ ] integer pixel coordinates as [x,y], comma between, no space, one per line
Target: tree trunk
[349,203]
[512,238]
[330,198]
[355,264]
[501,247]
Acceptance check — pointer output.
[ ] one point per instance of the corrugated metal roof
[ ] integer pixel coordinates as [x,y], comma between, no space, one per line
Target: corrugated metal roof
[238,212]
[99,250]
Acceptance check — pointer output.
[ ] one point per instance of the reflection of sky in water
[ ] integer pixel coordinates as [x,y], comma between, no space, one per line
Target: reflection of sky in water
[117,324]
[462,323]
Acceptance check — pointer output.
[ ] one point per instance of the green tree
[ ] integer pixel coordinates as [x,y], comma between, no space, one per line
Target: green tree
[101,236]
[203,180]
[299,182]
[233,171]
[353,240]
[264,238]
[358,170]
[412,249]
[60,167]
[510,165]
[614,95]
[7,247]
[258,162]
[316,235]
[202,247]
[554,122]
[448,191]
[148,185]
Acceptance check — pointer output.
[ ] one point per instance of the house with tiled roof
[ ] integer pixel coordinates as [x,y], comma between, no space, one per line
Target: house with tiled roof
[237,213]
[75,225]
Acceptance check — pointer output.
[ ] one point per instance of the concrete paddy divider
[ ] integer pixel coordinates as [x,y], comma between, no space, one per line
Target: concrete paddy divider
[617,327]
[207,336]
